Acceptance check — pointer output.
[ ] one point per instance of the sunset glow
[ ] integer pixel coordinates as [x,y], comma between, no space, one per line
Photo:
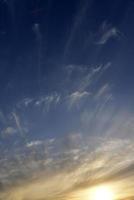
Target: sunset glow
[102,192]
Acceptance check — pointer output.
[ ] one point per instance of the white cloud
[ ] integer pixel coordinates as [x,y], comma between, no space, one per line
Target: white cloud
[107,32]
[8,131]
[103,91]
[53,98]
[18,124]
[76,24]
[92,76]
[85,76]
[45,101]
[48,101]
[75,98]
[39,101]
[25,102]
[34,143]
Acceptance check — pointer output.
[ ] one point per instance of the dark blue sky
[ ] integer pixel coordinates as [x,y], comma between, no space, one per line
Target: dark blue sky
[55,54]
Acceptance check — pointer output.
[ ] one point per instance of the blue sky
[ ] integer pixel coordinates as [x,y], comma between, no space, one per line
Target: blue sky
[66,74]
[47,48]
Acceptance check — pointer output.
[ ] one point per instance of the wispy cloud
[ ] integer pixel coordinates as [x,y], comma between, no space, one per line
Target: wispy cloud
[76,24]
[48,101]
[100,161]
[76,98]
[92,76]
[18,124]
[85,76]
[25,102]
[103,92]
[106,33]
[36,29]
[34,143]
[8,131]
[79,88]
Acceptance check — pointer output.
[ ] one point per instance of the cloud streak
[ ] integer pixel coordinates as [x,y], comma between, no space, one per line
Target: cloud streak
[76,98]
[106,33]
[76,24]
[107,162]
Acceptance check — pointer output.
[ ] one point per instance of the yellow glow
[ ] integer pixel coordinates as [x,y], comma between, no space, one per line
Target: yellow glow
[102,193]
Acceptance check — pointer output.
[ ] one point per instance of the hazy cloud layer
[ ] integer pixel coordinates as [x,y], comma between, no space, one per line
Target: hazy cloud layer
[95,161]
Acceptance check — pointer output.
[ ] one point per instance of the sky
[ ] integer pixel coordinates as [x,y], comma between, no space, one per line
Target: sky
[66,97]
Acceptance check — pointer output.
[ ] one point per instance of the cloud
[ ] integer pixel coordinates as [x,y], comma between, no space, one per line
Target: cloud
[100,161]
[76,24]
[103,93]
[34,143]
[48,101]
[77,90]
[25,102]
[92,76]
[36,29]
[106,33]
[76,98]
[8,131]
[18,124]
[84,77]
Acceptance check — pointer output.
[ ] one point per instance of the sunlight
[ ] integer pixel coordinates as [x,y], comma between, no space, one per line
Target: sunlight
[102,193]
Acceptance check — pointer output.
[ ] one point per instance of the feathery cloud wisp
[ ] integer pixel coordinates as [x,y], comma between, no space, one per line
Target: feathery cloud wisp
[106,33]
[76,98]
